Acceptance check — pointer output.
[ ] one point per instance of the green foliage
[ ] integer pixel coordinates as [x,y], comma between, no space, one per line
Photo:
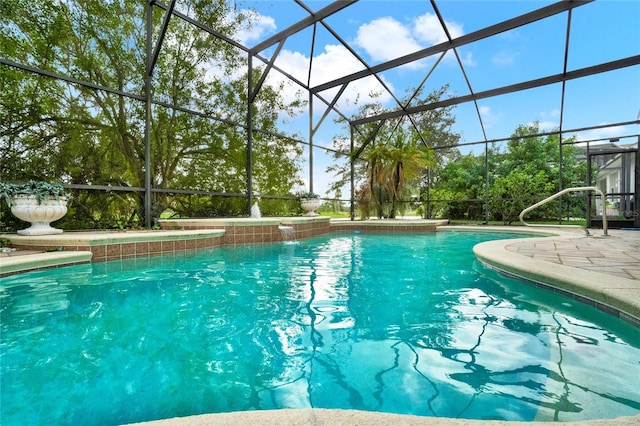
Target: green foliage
[511,194]
[208,206]
[5,243]
[103,210]
[526,171]
[40,190]
[51,130]
[457,188]
[307,195]
[394,163]
[396,155]
[529,171]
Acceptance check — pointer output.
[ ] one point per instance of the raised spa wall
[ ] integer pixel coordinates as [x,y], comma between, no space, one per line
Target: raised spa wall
[247,231]
[178,236]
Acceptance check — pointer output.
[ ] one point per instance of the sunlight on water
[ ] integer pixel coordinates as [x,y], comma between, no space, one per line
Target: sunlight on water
[406,324]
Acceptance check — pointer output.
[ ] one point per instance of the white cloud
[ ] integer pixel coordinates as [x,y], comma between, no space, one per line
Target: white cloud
[467,59]
[385,38]
[554,113]
[261,26]
[549,120]
[504,58]
[333,62]
[485,111]
[427,28]
[489,118]
[295,63]
[382,39]
[604,133]
[547,126]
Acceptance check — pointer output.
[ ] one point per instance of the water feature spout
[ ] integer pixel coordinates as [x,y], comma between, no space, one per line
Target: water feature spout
[255,210]
[287,232]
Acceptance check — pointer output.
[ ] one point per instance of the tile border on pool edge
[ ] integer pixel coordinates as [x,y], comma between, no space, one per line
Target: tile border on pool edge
[615,312]
[591,288]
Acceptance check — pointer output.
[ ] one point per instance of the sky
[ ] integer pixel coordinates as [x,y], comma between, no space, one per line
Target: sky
[380,30]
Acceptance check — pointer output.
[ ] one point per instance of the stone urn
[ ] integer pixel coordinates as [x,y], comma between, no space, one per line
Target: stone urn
[27,208]
[310,205]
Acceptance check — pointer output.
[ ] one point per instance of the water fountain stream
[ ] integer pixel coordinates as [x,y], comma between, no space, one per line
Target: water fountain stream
[287,232]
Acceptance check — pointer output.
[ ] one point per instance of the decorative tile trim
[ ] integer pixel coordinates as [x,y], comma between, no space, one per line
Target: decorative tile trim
[617,313]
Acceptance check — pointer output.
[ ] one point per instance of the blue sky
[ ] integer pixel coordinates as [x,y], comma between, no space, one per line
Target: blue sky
[380,30]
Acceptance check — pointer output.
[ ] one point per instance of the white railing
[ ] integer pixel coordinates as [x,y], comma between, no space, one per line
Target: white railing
[564,191]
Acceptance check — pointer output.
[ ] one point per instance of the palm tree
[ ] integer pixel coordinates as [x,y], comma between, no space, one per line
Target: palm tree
[407,159]
[390,167]
[377,164]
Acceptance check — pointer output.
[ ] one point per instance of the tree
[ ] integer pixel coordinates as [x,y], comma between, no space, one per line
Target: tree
[526,171]
[61,131]
[390,167]
[511,194]
[406,161]
[397,155]
[529,171]
[458,186]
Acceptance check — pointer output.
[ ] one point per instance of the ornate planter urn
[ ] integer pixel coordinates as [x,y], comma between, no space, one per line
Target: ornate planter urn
[26,207]
[310,205]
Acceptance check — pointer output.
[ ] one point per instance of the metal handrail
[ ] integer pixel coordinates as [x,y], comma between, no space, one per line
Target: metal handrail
[564,191]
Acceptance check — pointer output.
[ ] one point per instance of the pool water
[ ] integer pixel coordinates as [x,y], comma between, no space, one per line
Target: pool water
[401,324]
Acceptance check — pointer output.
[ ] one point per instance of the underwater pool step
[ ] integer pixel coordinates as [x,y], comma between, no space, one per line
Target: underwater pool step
[103,246]
[34,260]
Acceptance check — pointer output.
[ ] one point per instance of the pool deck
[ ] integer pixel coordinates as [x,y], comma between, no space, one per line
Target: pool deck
[597,270]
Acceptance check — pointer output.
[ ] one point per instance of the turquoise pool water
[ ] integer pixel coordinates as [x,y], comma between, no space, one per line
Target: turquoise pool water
[409,324]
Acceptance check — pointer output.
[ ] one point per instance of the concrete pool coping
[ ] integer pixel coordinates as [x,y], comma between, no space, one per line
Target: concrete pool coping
[599,271]
[24,261]
[328,417]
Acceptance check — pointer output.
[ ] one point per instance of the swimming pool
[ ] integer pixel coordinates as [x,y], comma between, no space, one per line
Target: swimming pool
[405,324]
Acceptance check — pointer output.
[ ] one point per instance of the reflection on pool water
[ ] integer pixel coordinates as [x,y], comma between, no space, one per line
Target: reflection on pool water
[402,324]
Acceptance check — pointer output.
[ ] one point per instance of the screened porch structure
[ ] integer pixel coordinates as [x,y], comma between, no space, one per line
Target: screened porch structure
[561,81]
